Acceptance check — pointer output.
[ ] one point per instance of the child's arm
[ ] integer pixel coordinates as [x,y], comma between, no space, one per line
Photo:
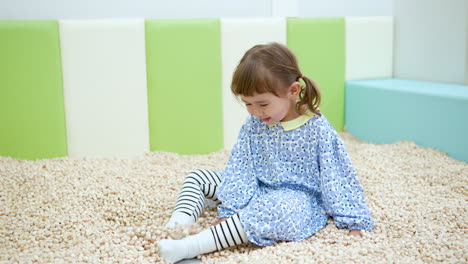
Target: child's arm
[342,193]
[239,182]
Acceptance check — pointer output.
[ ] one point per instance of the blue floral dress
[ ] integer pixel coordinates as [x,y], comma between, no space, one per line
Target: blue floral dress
[286,180]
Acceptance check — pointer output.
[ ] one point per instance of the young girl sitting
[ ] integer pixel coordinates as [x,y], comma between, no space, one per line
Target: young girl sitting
[287,174]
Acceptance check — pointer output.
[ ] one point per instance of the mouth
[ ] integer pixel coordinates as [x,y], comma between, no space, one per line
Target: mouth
[266,119]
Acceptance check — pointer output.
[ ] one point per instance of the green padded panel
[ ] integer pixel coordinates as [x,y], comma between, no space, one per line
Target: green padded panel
[184,85]
[31,93]
[319,44]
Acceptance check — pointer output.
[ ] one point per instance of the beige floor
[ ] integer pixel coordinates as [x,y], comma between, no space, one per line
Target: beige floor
[112,210]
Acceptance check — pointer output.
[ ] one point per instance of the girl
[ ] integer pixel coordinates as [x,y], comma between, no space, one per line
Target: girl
[287,174]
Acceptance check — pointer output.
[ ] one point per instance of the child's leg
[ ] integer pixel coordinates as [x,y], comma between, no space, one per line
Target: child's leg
[226,234]
[189,206]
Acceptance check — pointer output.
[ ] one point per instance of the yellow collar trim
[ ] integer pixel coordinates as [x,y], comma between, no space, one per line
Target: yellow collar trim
[298,122]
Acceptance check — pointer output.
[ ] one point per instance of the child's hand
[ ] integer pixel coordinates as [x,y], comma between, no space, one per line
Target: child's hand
[355,233]
[220,220]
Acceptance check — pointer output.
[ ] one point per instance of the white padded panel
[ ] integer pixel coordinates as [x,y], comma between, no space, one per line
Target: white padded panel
[237,36]
[369,47]
[104,72]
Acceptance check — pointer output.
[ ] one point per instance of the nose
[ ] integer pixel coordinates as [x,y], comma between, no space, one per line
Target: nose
[257,112]
[253,111]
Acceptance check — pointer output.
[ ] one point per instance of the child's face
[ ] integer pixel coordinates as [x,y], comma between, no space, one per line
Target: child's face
[271,108]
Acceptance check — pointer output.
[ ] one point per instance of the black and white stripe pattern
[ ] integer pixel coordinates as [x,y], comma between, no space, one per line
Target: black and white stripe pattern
[197,185]
[229,233]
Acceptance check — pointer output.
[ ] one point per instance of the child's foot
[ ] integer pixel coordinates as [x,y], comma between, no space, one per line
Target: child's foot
[173,250]
[180,219]
[187,248]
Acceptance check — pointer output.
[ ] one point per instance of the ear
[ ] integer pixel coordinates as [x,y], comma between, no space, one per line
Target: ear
[294,90]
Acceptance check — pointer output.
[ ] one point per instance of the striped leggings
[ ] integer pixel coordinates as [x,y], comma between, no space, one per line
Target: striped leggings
[198,185]
[201,184]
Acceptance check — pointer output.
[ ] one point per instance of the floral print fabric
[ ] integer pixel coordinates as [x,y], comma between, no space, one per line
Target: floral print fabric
[286,184]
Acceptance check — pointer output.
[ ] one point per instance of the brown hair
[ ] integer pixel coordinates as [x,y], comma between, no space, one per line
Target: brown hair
[272,68]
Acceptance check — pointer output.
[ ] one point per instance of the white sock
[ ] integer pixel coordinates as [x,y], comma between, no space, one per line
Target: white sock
[179,218]
[187,248]
[226,234]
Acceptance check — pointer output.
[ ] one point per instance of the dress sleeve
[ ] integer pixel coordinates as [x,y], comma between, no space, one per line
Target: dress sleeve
[239,182]
[342,192]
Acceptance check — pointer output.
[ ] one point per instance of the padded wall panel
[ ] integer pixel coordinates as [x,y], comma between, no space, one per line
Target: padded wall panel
[237,36]
[430,114]
[105,87]
[184,85]
[369,47]
[32,119]
[319,44]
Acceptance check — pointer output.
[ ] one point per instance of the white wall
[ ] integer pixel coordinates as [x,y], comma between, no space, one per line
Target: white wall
[104,9]
[337,8]
[431,40]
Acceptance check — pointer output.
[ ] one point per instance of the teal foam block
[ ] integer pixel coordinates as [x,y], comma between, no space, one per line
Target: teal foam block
[389,110]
